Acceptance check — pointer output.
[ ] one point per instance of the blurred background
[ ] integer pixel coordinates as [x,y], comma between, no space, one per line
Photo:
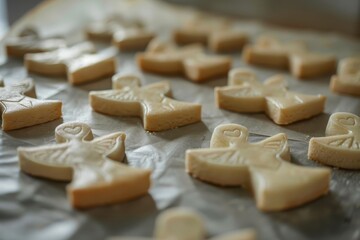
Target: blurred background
[323,15]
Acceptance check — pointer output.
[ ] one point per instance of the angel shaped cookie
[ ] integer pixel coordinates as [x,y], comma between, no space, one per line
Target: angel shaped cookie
[246,94]
[183,223]
[92,165]
[217,33]
[341,146]
[79,62]
[263,167]
[270,52]
[104,29]
[347,80]
[19,46]
[311,64]
[189,61]
[20,108]
[152,103]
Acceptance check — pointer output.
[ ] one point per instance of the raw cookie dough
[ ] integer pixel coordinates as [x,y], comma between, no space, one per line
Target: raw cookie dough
[261,167]
[162,58]
[308,64]
[270,52]
[18,47]
[152,103]
[92,165]
[341,146]
[53,63]
[20,108]
[347,80]
[185,224]
[246,94]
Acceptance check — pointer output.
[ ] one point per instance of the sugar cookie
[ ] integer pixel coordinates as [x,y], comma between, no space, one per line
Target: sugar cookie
[246,94]
[270,52]
[341,146]
[152,102]
[202,67]
[18,47]
[263,167]
[132,39]
[92,165]
[91,67]
[198,29]
[166,59]
[185,224]
[103,30]
[308,64]
[53,63]
[227,41]
[20,109]
[179,223]
[347,80]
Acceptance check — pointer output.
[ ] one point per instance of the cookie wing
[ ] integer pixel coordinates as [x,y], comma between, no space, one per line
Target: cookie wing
[52,162]
[109,183]
[112,145]
[302,185]
[340,151]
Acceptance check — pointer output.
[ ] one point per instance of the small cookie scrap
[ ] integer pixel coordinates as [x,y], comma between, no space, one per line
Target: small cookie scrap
[246,94]
[190,61]
[152,103]
[218,34]
[264,167]
[92,165]
[182,223]
[79,63]
[270,52]
[19,46]
[341,146]
[309,64]
[20,108]
[347,80]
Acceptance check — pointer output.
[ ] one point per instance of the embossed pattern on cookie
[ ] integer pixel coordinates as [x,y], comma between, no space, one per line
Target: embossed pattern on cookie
[20,108]
[246,94]
[341,146]
[347,80]
[152,103]
[261,166]
[92,165]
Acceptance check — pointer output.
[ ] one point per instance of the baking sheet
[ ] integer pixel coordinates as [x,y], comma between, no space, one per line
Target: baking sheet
[33,208]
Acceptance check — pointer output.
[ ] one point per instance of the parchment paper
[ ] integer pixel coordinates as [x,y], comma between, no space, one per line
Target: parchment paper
[33,208]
